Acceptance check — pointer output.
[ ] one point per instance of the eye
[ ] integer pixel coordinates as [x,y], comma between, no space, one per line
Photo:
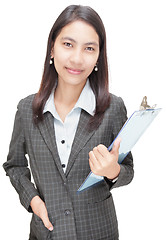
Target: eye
[67,44]
[90,49]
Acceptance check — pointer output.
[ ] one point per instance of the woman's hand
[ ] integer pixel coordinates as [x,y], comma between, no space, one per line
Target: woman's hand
[105,163]
[39,208]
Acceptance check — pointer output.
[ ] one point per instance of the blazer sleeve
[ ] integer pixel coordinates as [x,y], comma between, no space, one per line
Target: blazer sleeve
[16,166]
[126,167]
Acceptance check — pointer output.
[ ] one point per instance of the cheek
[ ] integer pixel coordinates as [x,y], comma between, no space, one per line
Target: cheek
[59,56]
[90,65]
[59,61]
[90,70]
[92,60]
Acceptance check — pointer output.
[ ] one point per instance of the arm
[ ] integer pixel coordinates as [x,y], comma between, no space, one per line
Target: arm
[126,167]
[16,166]
[17,169]
[105,163]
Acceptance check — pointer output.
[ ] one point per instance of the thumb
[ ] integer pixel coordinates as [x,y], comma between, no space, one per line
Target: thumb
[116,146]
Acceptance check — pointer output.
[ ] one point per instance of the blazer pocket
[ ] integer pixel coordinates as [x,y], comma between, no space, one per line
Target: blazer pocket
[42,233]
[102,220]
[98,193]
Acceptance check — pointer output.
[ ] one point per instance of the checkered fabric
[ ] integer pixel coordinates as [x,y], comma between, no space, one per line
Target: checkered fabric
[89,215]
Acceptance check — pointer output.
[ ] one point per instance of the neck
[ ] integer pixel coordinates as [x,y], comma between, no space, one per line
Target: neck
[68,94]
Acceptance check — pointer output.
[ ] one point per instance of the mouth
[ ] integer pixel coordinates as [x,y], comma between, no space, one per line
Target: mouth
[74,71]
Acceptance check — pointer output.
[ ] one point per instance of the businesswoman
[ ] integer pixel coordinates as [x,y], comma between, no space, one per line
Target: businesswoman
[65,130]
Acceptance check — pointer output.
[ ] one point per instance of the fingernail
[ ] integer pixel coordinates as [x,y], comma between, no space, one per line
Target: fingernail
[51,228]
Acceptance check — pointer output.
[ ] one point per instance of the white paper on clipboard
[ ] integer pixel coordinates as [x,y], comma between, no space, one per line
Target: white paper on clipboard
[130,133]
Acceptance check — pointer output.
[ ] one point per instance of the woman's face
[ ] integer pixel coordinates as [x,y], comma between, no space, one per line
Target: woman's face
[75,52]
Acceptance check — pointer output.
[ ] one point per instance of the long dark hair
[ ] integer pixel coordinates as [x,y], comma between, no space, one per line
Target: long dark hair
[98,80]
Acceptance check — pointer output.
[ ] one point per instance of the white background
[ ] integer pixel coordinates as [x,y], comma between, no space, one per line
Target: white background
[136,40]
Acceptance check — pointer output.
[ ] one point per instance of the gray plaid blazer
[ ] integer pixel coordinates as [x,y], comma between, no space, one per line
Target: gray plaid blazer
[89,215]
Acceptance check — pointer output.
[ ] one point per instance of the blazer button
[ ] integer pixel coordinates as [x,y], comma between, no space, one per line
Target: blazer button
[67,212]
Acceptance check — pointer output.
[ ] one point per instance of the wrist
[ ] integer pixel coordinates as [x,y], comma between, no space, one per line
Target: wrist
[114,175]
[36,200]
[113,180]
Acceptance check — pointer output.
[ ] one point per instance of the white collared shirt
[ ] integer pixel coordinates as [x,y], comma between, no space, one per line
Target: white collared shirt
[65,131]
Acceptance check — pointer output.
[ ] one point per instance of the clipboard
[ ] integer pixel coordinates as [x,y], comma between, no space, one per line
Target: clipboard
[130,133]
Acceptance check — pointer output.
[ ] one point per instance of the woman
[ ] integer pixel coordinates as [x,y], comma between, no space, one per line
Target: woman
[65,130]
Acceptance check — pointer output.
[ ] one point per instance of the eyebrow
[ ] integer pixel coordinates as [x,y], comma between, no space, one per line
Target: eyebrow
[72,40]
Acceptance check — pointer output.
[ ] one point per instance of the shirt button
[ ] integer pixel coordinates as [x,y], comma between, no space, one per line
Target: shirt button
[67,212]
[63,141]
[63,165]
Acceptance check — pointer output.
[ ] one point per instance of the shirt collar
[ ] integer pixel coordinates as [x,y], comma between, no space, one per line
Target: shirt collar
[86,101]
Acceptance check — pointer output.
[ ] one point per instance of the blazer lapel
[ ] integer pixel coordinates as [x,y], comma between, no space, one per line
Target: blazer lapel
[81,137]
[47,131]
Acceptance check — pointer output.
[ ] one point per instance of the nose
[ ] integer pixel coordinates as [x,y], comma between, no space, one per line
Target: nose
[76,57]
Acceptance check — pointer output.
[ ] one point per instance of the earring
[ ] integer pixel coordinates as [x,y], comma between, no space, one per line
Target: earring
[51,61]
[96,68]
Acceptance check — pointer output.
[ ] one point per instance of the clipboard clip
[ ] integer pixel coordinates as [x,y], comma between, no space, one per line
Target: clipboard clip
[144,104]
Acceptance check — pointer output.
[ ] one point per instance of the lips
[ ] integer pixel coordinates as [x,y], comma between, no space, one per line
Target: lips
[74,71]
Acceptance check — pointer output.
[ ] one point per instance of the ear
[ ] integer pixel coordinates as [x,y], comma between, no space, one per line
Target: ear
[52,53]
[52,50]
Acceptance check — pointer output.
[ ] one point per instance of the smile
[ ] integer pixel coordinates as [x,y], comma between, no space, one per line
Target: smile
[74,71]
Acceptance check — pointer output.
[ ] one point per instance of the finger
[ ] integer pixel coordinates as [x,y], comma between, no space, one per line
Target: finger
[46,221]
[93,162]
[92,158]
[99,157]
[48,224]
[91,165]
[103,150]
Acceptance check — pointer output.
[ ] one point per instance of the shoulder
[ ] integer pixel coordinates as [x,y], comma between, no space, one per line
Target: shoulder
[116,104]
[115,99]
[25,104]
[116,113]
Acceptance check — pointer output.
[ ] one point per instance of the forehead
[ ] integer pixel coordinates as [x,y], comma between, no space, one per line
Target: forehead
[79,31]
